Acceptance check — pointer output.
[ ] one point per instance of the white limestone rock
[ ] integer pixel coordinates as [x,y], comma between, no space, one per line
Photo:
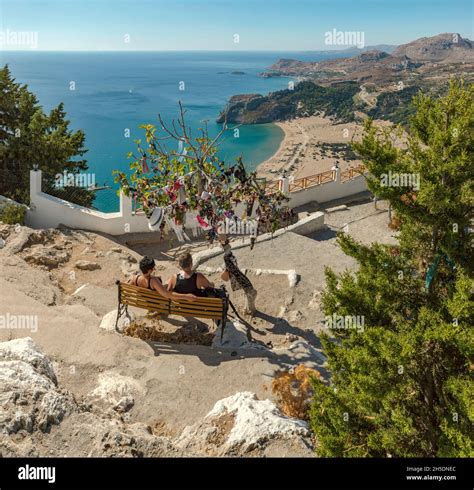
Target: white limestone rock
[49,257]
[294,316]
[115,391]
[26,350]
[128,268]
[108,321]
[315,301]
[87,265]
[235,337]
[242,423]
[29,397]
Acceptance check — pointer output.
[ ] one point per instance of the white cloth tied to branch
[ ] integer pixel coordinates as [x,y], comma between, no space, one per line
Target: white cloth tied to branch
[155,219]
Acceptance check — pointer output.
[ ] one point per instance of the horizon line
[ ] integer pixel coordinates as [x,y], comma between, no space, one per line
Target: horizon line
[33,50]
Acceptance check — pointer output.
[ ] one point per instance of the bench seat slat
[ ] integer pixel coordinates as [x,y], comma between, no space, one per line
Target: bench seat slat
[143,292]
[131,295]
[163,301]
[147,306]
[152,292]
[136,290]
[158,304]
[160,300]
[135,299]
[196,307]
[198,302]
[198,314]
[180,311]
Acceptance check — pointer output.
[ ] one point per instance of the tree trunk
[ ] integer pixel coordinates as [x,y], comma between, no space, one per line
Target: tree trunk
[250,295]
[238,280]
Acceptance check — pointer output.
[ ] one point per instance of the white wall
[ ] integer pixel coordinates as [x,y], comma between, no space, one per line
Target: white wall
[49,212]
[5,200]
[306,226]
[328,192]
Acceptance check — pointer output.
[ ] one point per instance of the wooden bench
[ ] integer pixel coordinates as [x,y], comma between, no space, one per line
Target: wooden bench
[130,295]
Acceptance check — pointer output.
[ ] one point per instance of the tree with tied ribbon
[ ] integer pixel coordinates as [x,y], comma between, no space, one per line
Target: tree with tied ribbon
[168,183]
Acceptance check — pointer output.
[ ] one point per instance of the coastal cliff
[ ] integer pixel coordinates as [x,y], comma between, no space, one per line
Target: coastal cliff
[307,98]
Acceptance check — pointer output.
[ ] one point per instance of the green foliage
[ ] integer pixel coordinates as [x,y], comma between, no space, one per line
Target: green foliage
[158,173]
[30,137]
[336,100]
[439,149]
[395,106]
[78,195]
[12,214]
[404,386]
[306,98]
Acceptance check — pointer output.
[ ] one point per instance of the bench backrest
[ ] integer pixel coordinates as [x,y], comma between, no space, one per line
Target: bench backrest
[148,299]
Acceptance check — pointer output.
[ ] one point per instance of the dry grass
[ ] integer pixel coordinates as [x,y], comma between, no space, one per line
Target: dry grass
[187,334]
[394,223]
[294,391]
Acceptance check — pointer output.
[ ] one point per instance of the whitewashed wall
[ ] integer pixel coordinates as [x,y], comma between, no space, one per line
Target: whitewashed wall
[328,191]
[5,200]
[49,212]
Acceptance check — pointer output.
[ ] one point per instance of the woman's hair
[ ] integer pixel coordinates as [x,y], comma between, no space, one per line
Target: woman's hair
[185,260]
[146,264]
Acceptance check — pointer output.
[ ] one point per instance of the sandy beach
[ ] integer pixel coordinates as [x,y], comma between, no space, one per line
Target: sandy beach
[312,145]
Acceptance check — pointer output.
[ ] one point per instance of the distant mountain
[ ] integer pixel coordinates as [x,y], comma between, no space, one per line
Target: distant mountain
[386,48]
[372,82]
[375,66]
[448,47]
[425,56]
[289,65]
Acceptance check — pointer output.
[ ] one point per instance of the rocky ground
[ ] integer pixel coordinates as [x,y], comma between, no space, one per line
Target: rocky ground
[71,388]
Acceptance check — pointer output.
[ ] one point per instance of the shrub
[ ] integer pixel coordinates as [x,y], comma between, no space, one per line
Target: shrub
[12,214]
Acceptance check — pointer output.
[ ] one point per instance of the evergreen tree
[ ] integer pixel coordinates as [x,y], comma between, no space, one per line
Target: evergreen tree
[403,387]
[29,137]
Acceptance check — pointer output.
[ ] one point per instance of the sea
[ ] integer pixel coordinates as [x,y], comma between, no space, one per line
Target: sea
[108,95]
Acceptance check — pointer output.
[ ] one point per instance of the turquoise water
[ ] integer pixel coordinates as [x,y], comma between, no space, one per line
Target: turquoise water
[116,91]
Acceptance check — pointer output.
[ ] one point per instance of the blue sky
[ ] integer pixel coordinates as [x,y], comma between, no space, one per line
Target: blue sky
[211,24]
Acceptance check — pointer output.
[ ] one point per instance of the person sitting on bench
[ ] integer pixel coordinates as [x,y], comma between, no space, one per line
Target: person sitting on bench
[187,281]
[148,281]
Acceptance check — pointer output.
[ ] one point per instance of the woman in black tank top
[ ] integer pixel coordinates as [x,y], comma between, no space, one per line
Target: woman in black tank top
[187,281]
[149,280]
[186,285]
